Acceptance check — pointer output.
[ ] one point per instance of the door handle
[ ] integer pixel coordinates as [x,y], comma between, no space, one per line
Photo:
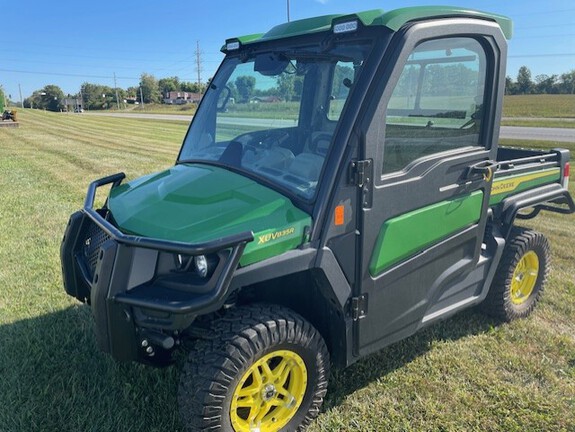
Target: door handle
[485,168]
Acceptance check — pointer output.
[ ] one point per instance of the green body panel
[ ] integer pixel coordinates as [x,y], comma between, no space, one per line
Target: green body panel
[299,27]
[393,20]
[197,203]
[506,186]
[242,40]
[405,235]
[367,18]
[249,38]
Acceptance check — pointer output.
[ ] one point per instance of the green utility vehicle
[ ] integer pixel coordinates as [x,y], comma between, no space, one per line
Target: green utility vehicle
[339,188]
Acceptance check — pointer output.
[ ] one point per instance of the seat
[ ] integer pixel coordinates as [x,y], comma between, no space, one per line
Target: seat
[306,166]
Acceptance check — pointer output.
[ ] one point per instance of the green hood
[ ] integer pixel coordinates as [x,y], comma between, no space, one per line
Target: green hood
[196,203]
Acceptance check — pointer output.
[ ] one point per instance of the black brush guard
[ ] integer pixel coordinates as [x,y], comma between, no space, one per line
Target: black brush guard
[102,266]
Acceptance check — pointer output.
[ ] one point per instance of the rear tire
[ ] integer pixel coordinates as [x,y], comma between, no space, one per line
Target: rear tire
[265,367]
[521,276]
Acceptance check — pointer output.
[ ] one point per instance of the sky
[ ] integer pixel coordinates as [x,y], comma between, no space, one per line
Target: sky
[66,42]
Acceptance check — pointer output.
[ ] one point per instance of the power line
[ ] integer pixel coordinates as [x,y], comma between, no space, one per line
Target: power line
[199,65]
[534,13]
[116,50]
[66,74]
[543,26]
[125,59]
[87,65]
[544,36]
[541,55]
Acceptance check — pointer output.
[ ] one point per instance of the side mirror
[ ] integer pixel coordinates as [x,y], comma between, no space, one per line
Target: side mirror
[223,99]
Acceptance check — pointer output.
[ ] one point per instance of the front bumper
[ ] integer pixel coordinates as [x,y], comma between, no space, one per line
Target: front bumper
[139,296]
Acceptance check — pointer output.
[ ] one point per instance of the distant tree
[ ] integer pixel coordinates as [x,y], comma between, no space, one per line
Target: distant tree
[54,97]
[150,88]
[122,94]
[449,79]
[545,84]
[2,100]
[48,98]
[245,85]
[408,82]
[133,92]
[169,84]
[192,87]
[567,84]
[510,87]
[233,91]
[97,97]
[524,83]
[89,95]
[285,83]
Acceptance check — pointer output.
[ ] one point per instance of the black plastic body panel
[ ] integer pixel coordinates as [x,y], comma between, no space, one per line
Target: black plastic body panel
[539,198]
[74,283]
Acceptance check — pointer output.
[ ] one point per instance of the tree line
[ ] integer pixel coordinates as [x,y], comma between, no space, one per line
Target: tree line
[542,84]
[100,97]
[2,100]
[151,90]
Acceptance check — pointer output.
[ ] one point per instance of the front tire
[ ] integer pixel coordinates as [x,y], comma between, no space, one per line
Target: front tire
[521,276]
[265,368]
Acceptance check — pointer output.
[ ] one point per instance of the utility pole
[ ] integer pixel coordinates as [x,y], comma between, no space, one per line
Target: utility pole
[288,10]
[81,99]
[141,97]
[199,66]
[21,101]
[116,89]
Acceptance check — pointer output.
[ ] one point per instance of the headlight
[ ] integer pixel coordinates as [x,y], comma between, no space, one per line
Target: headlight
[201,264]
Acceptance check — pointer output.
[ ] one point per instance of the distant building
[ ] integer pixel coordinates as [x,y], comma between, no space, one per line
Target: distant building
[265,99]
[181,98]
[72,104]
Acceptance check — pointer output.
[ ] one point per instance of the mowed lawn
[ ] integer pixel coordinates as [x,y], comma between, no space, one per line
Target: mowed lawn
[467,373]
[541,105]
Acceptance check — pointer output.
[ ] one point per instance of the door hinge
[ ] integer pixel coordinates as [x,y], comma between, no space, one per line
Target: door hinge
[359,172]
[359,307]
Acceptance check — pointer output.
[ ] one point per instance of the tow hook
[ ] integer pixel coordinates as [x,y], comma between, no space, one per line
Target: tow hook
[152,338]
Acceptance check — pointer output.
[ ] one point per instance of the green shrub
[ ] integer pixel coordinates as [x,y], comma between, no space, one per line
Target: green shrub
[2,101]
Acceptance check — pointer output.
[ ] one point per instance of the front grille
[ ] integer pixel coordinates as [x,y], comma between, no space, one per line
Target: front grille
[95,237]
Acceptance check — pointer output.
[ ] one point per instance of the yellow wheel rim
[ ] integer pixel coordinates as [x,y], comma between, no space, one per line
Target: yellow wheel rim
[269,393]
[524,278]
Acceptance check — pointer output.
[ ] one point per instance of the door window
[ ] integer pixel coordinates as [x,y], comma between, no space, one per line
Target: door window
[437,103]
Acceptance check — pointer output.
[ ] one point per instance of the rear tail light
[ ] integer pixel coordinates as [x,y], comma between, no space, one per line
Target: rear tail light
[566,176]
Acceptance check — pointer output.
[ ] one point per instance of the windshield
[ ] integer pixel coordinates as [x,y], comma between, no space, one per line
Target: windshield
[272,115]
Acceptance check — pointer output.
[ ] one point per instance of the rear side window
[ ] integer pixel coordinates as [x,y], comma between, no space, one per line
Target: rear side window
[437,103]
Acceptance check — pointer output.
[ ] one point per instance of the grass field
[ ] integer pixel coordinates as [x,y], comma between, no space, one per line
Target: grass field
[537,107]
[543,106]
[467,373]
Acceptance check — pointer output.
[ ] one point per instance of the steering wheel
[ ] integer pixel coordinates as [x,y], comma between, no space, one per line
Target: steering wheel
[262,140]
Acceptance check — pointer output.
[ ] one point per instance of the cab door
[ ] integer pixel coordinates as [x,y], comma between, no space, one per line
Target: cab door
[429,143]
